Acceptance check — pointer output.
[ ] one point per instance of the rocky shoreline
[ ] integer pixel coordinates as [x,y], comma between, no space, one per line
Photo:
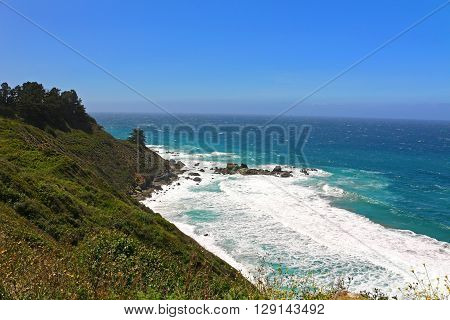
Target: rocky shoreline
[243,169]
[146,185]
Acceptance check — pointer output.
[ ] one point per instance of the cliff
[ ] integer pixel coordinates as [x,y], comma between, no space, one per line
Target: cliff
[70,227]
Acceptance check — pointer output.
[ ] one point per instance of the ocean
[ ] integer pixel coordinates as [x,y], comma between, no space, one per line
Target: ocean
[377,207]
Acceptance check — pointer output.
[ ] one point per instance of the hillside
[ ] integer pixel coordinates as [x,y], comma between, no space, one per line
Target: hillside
[69,227]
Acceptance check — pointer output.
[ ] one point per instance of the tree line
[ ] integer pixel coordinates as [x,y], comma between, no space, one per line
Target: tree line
[54,109]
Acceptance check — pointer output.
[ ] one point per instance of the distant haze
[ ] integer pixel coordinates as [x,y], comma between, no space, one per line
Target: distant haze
[430,111]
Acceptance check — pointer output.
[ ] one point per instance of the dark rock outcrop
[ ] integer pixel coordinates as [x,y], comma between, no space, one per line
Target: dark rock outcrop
[243,169]
[176,165]
[277,169]
[162,172]
[232,166]
[194,174]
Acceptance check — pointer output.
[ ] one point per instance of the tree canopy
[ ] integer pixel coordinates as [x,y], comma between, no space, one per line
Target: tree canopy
[43,108]
[137,136]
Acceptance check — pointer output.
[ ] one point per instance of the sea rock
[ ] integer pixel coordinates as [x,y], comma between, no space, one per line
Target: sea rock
[165,178]
[177,164]
[232,166]
[194,174]
[251,172]
[277,169]
[243,169]
[202,170]
[197,179]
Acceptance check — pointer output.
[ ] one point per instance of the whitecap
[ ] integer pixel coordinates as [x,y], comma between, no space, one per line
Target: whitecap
[292,223]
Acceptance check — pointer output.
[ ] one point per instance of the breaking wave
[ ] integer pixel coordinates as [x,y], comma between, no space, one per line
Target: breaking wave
[282,220]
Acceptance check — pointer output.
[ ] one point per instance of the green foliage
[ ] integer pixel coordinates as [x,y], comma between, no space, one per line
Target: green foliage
[70,230]
[44,109]
[137,136]
[3,294]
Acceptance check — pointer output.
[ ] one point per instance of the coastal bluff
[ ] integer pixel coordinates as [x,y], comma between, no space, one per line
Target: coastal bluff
[70,227]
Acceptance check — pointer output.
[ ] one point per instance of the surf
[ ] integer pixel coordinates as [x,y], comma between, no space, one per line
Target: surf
[277,220]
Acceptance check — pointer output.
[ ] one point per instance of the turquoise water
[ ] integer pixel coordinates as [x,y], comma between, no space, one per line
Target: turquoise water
[396,173]
[201,215]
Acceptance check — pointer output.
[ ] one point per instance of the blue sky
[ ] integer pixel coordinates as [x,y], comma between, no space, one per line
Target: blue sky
[236,56]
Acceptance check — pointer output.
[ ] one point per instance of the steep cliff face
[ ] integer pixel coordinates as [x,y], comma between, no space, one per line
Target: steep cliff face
[70,227]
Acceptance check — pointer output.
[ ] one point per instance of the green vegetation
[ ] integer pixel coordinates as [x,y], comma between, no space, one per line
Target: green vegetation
[137,136]
[69,228]
[45,109]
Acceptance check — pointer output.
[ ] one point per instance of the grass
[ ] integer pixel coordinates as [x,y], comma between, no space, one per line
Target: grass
[70,230]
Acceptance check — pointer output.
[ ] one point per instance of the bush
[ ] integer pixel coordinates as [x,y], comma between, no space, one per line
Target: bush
[3,294]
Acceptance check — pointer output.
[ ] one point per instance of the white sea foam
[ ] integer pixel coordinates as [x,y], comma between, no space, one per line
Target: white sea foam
[209,243]
[284,221]
[191,158]
[332,191]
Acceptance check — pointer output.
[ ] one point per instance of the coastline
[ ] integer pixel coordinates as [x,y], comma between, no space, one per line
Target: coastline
[210,242]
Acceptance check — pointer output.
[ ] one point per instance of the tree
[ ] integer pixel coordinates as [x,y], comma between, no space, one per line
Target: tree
[45,108]
[4,93]
[53,98]
[30,93]
[137,136]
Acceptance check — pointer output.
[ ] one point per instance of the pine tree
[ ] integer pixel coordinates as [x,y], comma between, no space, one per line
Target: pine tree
[137,136]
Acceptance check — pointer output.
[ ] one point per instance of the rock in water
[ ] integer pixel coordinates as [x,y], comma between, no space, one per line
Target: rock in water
[243,169]
[277,169]
[304,171]
[179,165]
[232,166]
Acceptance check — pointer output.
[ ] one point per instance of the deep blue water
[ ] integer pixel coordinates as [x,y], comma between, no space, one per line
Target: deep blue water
[394,172]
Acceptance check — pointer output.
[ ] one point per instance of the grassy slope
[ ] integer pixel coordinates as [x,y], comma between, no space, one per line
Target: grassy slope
[69,229]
